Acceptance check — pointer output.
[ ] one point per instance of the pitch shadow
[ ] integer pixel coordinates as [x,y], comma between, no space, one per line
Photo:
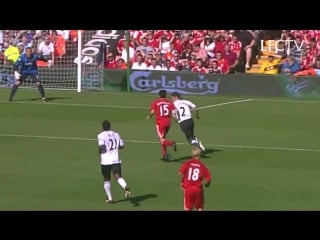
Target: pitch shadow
[137,199]
[206,154]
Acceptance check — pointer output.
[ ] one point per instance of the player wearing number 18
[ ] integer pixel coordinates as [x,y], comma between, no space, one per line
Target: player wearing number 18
[162,108]
[110,143]
[192,173]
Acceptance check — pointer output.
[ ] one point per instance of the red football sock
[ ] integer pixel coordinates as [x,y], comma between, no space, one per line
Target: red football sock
[167,142]
[164,149]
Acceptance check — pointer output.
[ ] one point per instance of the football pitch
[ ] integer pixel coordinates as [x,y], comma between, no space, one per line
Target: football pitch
[263,153]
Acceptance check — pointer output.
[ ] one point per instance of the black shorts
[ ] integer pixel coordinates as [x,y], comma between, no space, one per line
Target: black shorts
[34,77]
[187,128]
[106,170]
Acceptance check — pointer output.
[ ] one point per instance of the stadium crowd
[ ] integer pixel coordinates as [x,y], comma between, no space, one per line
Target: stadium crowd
[51,43]
[297,53]
[199,51]
[219,51]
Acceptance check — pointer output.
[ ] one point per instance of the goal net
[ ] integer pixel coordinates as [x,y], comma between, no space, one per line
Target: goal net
[69,70]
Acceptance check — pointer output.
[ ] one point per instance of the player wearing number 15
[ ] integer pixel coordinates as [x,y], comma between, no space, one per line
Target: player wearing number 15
[192,173]
[110,143]
[162,108]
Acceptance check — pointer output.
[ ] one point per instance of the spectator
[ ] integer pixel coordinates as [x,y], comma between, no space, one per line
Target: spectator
[199,68]
[187,65]
[271,66]
[235,45]
[164,44]
[154,65]
[281,50]
[313,46]
[208,45]
[315,71]
[223,64]
[12,52]
[213,68]
[177,61]
[168,66]
[124,54]
[186,53]
[144,47]
[308,58]
[231,58]
[220,42]
[193,60]
[201,52]
[121,64]
[139,64]
[247,43]
[297,49]
[151,41]
[177,41]
[59,44]
[46,49]
[110,62]
[290,66]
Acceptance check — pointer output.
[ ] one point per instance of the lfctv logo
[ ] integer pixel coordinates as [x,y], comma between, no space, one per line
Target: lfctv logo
[273,45]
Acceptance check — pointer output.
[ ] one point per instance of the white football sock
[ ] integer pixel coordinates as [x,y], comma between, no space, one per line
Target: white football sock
[107,188]
[122,182]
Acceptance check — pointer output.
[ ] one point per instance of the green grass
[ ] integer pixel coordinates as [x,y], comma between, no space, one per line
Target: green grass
[268,156]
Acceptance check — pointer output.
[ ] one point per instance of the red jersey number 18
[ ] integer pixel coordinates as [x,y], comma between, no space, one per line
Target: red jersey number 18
[164,110]
[193,174]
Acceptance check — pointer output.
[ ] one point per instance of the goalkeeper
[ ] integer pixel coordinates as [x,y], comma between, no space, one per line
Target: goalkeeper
[26,66]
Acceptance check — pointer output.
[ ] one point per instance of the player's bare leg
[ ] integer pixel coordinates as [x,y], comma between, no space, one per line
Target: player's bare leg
[14,90]
[122,182]
[167,143]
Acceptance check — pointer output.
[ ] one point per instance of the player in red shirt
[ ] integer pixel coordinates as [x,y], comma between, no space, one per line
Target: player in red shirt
[162,109]
[193,172]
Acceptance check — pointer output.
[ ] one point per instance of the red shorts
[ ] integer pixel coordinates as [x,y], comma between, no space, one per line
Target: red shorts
[162,128]
[193,197]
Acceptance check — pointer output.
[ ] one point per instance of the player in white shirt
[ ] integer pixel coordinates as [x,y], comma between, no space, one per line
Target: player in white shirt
[183,115]
[110,143]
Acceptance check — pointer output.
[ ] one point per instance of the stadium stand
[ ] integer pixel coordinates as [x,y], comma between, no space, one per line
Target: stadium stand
[204,51]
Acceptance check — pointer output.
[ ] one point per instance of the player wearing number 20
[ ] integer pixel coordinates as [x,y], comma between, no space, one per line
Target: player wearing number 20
[193,172]
[162,108]
[183,115]
[110,143]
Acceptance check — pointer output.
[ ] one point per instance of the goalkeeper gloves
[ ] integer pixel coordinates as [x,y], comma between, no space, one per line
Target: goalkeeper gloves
[17,75]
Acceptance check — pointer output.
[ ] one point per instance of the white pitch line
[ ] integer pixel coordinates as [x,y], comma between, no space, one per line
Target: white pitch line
[226,103]
[77,105]
[114,106]
[156,142]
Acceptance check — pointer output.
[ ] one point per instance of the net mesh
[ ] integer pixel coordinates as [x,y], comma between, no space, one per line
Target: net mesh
[62,74]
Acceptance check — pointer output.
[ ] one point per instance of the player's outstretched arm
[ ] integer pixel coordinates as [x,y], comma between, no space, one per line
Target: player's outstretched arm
[150,114]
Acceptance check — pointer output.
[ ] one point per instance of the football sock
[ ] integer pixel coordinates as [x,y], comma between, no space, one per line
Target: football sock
[41,90]
[13,90]
[164,149]
[122,182]
[167,142]
[107,188]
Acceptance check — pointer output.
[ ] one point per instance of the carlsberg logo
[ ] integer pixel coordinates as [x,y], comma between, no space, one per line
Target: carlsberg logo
[147,81]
